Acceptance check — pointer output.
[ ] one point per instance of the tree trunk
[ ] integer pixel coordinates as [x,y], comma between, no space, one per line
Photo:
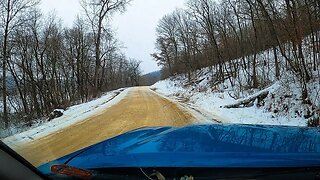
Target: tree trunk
[276,62]
[4,68]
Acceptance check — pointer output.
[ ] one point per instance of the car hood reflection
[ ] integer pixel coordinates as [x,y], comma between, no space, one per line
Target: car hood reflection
[202,146]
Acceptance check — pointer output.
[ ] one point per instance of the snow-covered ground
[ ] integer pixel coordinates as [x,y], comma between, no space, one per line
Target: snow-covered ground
[72,115]
[283,105]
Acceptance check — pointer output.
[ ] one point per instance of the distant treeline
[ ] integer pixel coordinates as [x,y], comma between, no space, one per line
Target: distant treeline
[150,78]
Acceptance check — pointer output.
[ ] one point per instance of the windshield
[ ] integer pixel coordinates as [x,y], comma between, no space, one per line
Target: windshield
[159,79]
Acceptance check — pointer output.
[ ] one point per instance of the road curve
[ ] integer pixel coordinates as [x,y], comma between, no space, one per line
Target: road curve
[141,107]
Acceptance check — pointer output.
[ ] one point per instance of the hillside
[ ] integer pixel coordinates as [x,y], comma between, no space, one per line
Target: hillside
[247,61]
[150,78]
[283,105]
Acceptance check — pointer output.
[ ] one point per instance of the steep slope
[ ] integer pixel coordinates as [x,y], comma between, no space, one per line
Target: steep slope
[281,103]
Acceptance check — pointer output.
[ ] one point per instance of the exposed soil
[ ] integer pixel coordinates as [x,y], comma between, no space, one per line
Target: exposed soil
[140,108]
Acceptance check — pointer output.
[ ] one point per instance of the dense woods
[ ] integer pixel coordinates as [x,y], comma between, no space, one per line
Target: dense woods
[228,37]
[47,66]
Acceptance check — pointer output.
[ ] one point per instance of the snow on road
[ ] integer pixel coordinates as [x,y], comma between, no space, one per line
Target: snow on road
[72,115]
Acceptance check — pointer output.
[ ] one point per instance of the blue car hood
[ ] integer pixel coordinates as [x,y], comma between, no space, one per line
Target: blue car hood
[218,146]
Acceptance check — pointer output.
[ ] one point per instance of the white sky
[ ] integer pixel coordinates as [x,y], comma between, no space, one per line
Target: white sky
[135,28]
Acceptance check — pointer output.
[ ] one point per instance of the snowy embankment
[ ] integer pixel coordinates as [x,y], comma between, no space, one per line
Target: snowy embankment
[72,115]
[213,102]
[276,101]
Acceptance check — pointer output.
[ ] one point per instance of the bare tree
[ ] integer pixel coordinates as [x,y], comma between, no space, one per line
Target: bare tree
[12,14]
[98,12]
[167,42]
[204,12]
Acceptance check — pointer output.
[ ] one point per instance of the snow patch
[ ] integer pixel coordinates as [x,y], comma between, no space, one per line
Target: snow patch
[72,115]
[212,103]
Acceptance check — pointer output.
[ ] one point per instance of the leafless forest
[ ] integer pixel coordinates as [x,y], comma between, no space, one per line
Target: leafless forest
[250,44]
[210,34]
[47,66]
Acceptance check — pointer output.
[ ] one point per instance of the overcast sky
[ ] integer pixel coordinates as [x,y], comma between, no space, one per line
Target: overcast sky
[135,27]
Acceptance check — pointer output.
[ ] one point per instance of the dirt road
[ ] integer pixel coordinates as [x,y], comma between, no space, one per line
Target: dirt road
[140,108]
